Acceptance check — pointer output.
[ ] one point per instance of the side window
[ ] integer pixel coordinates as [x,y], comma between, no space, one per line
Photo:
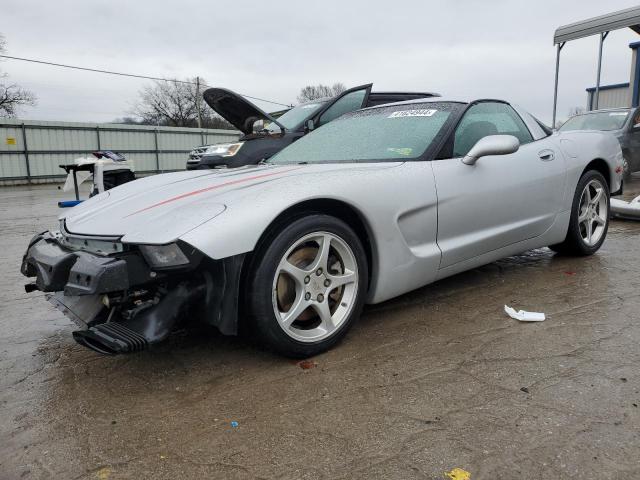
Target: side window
[350,102]
[484,119]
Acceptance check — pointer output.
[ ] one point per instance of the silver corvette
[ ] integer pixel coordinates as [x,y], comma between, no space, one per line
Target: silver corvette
[375,204]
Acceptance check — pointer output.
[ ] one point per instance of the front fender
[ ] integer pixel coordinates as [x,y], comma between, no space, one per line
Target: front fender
[238,230]
[397,203]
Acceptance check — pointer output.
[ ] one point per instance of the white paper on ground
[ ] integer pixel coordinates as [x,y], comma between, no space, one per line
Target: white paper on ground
[524,316]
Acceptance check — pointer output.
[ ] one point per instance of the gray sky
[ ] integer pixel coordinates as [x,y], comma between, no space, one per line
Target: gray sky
[464,49]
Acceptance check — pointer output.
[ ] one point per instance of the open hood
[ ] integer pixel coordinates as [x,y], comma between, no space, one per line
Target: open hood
[236,109]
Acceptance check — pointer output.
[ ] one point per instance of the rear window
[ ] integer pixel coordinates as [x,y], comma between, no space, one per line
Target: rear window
[596,121]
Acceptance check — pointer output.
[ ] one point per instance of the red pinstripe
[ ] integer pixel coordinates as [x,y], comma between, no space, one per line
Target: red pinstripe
[207,189]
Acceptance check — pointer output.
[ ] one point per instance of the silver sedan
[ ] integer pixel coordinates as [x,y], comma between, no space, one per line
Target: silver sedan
[623,123]
[370,206]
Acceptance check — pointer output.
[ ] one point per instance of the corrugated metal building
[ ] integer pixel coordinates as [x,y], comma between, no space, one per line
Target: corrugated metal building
[610,96]
[32,150]
[619,94]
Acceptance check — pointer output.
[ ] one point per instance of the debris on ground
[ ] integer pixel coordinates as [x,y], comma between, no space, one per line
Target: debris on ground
[103,474]
[307,364]
[524,316]
[524,389]
[629,210]
[458,474]
[234,424]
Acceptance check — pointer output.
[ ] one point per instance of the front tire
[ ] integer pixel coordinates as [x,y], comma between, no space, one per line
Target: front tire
[306,285]
[590,213]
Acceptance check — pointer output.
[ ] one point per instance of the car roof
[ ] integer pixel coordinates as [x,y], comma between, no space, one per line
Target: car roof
[432,94]
[418,101]
[425,95]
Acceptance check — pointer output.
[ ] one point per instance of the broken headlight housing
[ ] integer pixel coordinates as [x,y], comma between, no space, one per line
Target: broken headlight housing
[224,149]
[164,256]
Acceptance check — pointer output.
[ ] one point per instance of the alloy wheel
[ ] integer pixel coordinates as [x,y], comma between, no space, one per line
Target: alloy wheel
[593,212]
[315,286]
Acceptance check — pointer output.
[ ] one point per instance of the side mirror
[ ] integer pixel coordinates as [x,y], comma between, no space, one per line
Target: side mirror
[309,125]
[491,145]
[258,125]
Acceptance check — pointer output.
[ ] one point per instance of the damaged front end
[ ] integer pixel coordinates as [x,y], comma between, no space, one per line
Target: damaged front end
[125,297]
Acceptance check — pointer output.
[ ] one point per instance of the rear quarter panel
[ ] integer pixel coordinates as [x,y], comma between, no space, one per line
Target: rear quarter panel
[580,148]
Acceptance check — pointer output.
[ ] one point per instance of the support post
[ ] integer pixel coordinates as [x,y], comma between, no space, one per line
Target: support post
[555,89]
[603,35]
[98,136]
[75,184]
[26,152]
[198,103]
[155,141]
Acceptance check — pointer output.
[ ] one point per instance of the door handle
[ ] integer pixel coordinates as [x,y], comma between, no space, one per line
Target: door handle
[546,155]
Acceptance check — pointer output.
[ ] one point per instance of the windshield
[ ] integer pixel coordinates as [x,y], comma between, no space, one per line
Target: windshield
[294,117]
[399,132]
[596,121]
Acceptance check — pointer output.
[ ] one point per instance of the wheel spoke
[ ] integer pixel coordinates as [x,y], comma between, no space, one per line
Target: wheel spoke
[322,257]
[344,279]
[294,272]
[589,225]
[299,306]
[599,220]
[587,192]
[322,309]
[583,216]
[596,197]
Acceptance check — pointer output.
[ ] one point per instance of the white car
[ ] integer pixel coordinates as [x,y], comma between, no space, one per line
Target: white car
[370,206]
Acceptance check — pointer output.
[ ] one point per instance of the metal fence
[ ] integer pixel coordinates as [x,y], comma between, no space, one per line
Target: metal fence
[31,151]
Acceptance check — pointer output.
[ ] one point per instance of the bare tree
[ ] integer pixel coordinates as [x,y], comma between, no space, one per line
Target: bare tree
[12,96]
[175,104]
[127,120]
[314,92]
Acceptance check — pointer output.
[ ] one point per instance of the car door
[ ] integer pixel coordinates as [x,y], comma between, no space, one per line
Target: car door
[501,199]
[350,100]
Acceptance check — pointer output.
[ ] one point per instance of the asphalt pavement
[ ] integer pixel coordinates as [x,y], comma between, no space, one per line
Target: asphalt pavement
[435,380]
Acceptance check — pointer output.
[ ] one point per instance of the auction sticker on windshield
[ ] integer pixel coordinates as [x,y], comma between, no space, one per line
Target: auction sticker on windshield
[413,113]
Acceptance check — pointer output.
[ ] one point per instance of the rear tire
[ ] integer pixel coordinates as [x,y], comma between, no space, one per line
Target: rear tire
[306,285]
[590,215]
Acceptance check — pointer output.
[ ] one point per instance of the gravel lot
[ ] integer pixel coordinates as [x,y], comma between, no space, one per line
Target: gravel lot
[435,380]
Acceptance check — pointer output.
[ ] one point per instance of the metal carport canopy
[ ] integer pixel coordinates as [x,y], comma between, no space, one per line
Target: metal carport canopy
[629,17]
[601,25]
